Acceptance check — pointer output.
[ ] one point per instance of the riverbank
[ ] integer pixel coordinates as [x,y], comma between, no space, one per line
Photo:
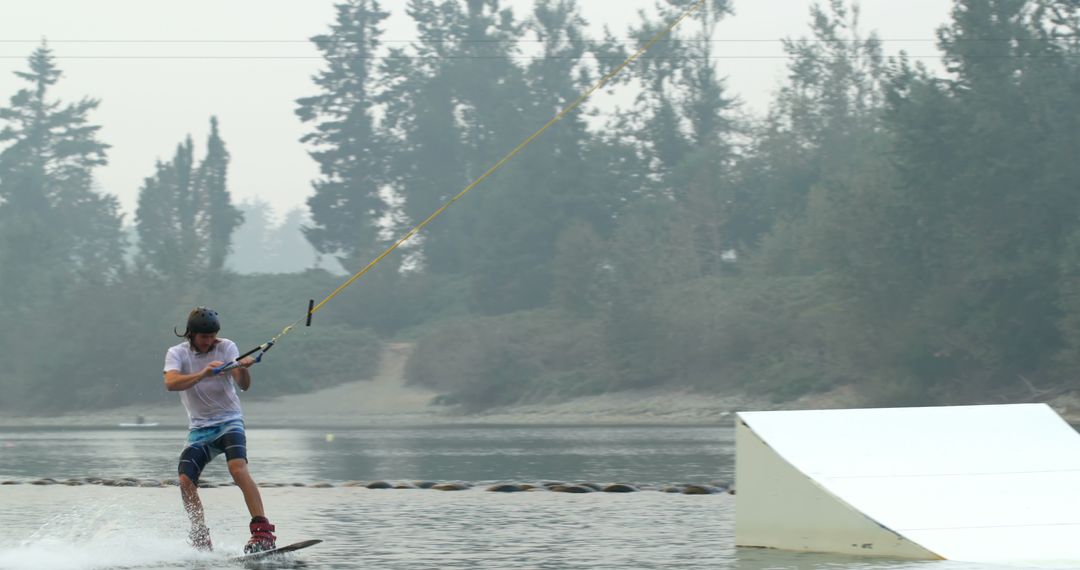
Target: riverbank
[366,403]
[362,404]
[385,400]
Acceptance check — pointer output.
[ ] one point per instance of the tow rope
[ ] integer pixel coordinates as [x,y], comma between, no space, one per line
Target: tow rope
[313,307]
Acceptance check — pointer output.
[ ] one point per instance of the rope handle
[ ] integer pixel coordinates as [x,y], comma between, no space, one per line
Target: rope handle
[261,349]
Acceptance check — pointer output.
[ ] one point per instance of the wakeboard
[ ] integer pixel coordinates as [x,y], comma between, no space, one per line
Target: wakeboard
[275,552]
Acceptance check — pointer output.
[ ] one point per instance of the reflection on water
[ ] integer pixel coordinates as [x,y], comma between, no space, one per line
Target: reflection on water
[605,454]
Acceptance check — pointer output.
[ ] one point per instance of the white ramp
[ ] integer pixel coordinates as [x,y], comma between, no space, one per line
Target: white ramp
[972,483]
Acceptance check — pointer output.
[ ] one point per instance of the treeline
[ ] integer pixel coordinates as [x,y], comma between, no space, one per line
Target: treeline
[264,244]
[86,322]
[910,232]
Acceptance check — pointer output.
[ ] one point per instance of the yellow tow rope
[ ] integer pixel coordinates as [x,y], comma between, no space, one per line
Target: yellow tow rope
[577,102]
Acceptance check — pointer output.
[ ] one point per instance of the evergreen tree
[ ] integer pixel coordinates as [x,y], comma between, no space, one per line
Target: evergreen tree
[61,241]
[681,104]
[827,111]
[551,186]
[166,216]
[54,227]
[219,216]
[185,218]
[347,207]
[456,101]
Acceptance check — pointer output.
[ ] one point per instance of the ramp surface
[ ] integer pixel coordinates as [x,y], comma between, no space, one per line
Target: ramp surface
[971,483]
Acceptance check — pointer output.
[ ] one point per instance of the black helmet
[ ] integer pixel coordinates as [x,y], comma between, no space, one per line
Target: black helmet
[203,320]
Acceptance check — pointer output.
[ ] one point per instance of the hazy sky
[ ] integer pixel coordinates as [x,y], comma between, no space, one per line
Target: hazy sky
[162,68]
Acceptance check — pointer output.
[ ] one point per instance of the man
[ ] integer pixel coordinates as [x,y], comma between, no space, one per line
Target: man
[215,422]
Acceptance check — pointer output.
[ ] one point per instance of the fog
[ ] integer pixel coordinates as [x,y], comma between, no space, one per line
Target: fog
[773,202]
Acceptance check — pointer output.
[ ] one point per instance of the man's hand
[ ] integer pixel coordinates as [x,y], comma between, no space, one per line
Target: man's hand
[247,361]
[209,370]
[177,382]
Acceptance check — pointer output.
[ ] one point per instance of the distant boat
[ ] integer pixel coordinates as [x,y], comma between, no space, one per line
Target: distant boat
[139,422]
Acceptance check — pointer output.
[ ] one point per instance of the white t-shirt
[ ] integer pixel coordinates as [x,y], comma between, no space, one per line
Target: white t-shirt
[213,400]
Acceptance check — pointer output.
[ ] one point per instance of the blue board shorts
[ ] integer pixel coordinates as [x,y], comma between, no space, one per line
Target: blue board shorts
[204,444]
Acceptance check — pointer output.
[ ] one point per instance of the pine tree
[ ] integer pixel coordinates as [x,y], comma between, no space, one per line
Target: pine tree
[551,186]
[219,217]
[55,229]
[61,241]
[165,217]
[347,207]
[185,218]
[455,99]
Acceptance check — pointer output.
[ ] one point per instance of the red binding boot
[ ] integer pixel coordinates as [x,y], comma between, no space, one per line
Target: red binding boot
[262,536]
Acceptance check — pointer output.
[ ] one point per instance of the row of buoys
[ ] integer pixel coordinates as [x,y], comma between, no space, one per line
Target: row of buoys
[711,488]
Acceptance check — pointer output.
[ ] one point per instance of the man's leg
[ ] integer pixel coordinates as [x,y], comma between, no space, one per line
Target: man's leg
[200,535]
[192,461]
[234,443]
[239,470]
[262,532]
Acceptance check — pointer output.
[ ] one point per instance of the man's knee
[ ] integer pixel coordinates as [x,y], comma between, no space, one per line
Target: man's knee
[186,484]
[238,467]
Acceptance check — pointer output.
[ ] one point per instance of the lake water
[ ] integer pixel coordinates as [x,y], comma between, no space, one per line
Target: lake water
[55,527]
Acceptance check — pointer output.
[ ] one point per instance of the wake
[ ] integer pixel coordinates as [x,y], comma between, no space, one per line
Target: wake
[100,537]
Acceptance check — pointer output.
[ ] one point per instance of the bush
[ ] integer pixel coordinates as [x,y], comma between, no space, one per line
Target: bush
[524,357]
[775,336]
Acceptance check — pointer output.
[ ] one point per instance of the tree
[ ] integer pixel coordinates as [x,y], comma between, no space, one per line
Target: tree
[61,241]
[554,184]
[220,217]
[54,226]
[581,272]
[185,218]
[347,208]
[684,130]
[681,105]
[455,100]
[253,245]
[165,217]
[828,110]
[983,154]
[293,252]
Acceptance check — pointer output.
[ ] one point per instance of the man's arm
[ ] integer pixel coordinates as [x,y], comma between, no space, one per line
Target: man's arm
[177,382]
[242,375]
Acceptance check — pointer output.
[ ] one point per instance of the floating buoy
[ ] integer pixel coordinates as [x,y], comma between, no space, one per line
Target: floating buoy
[505,488]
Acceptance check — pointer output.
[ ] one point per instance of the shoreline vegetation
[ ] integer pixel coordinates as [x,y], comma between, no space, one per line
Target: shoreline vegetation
[387,400]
